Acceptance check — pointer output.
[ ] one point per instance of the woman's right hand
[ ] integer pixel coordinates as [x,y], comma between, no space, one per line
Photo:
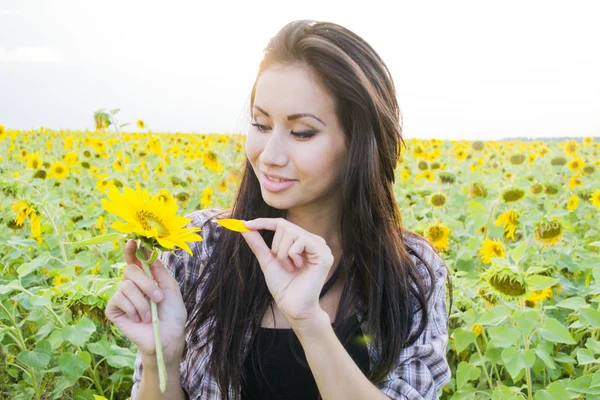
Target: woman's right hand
[129,308]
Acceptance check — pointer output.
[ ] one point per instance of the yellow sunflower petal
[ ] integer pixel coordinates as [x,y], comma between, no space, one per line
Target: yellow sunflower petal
[233,224]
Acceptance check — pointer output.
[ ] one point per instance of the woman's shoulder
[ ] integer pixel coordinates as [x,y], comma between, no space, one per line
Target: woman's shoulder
[423,253]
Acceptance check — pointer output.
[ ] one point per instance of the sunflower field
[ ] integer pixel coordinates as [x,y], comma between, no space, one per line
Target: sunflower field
[516,222]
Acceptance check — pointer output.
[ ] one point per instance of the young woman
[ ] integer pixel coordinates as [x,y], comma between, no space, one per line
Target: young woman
[327,296]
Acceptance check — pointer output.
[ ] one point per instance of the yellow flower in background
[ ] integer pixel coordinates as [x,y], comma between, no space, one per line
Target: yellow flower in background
[165,197]
[573,203]
[595,198]
[103,182]
[575,181]
[405,176]
[34,161]
[59,280]
[100,224]
[571,147]
[531,158]
[58,170]
[588,140]
[576,164]
[491,248]
[548,233]
[150,218]
[160,169]
[223,185]
[461,154]
[510,220]
[141,124]
[71,158]
[24,210]
[118,165]
[438,236]
[206,199]
[477,329]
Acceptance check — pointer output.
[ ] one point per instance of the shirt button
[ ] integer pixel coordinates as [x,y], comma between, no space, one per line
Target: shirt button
[195,339]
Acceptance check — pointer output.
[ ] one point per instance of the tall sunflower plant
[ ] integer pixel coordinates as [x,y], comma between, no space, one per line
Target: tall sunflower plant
[152,222]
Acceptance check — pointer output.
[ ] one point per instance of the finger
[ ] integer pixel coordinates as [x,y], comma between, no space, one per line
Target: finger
[297,250]
[144,282]
[259,247]
[277,239]
[136,297]
[265,223]
[119,304]
[129,251]
[163,277]
[287,241]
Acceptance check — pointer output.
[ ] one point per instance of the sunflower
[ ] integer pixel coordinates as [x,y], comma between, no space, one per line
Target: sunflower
[549,233]
[118,165]
[576,164]
[34,161]
[575,181]
[58,170]
[207,195]
[491,248]
[510,220]
[59,280]
[588,140]
[595,198]
[571,148]
[141,124]
[537,296]
[513,194]
[573,203]
[165,197]
[461,154]
[71,158]
[223,185]
[150,218]
[438,236]
[506,280]
[438,200]
[24,210]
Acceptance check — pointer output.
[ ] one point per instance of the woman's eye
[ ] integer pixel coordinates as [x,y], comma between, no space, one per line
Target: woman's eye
[260,127]
[303,135]
[299,135]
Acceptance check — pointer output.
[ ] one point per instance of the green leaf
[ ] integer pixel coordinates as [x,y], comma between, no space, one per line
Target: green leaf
[504,336]
[478,212]
[516,359]
[543,350]
[593,345]
[594,244]
[39,358]
[79,333]
[527,321]
[553,331]
[99,239]
[541,282]
[118,357]
[463,338]
[12,285]
[590,316]
[73,365]
[494,317]
[573,303]
[584,356]
[465,373]
[29,267]
[518,253]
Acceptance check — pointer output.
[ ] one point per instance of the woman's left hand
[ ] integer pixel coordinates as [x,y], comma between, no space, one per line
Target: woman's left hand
[295,267]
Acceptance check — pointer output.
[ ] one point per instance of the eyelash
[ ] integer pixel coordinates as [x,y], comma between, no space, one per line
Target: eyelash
[299,135]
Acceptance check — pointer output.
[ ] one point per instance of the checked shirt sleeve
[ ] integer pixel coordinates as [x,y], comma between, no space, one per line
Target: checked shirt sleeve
[422,368]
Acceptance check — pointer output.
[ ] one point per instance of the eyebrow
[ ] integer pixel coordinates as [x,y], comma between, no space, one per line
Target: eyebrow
[293,116]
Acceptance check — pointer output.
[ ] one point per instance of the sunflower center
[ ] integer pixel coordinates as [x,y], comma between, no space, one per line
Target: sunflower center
[35,164]
[59,170]
[149,220]
[436,233]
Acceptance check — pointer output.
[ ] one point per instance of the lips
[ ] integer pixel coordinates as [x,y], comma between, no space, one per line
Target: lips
[275,186]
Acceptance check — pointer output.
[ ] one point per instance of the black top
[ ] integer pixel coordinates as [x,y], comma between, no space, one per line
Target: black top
[283,377]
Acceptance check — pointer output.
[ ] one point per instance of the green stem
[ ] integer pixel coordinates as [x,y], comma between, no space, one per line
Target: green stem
[493,364]
[60,242]
[483,365]
[162,372]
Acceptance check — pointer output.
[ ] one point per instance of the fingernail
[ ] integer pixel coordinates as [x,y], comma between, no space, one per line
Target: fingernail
[156,295]
[148,316]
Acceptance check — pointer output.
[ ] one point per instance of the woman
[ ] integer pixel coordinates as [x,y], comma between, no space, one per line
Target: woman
[327,296]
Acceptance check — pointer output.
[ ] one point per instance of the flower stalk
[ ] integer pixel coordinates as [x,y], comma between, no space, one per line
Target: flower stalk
[160,361]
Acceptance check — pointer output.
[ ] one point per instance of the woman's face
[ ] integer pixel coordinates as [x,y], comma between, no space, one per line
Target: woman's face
[296,136]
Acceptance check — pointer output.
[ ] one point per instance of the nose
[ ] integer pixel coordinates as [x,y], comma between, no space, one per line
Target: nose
[275,151]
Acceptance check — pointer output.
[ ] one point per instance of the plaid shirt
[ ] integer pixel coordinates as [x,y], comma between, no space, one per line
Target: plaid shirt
[421,370]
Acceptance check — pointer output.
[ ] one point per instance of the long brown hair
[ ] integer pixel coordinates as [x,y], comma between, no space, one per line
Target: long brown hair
[377,262]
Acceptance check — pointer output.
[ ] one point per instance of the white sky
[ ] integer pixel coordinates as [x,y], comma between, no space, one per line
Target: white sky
[462,69]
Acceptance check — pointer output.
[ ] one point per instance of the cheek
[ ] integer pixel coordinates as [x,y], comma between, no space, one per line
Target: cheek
[253,147]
